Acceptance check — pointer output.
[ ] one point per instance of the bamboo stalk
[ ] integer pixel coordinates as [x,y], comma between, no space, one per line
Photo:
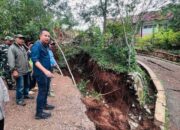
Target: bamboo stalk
[74,82]
[59,69]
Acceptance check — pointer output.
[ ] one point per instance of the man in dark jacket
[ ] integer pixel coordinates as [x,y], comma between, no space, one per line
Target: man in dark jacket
[19,66]
[42,67]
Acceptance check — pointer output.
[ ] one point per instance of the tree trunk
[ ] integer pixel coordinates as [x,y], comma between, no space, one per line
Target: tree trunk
[104,23]
[104,10]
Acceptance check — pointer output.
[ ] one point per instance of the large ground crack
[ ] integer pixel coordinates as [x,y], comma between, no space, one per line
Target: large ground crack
[118,107]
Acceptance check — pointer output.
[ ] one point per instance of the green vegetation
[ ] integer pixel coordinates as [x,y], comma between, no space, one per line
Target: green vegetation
[95,95]
[110,61]
[70,52]
[174,22]
[82,87]
[29,16]
[167,39]
[111,48]
[112,57]
[108,50]
[162,40]
[144,43]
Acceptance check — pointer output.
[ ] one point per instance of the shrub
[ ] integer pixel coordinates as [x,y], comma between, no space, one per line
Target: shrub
[166,39]
[161,40]
[115,32]
[144,43]
[108,50]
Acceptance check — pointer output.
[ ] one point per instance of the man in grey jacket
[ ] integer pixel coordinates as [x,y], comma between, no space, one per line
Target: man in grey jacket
[18,62]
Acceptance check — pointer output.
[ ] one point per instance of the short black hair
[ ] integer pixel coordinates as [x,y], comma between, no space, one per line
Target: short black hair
[42,30]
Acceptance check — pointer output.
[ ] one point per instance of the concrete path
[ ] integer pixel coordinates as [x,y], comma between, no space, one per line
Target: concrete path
[69,113]
[169,75]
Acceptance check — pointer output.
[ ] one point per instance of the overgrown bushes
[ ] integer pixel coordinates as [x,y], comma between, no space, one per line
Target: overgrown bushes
[108,50]
[162,40]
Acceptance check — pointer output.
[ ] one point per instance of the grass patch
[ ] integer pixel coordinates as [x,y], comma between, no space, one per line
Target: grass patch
[82,86]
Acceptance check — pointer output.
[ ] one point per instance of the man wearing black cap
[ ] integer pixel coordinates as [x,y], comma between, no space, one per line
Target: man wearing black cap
[4,62]
[18,62]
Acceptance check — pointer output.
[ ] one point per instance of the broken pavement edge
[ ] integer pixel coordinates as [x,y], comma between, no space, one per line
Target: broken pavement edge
[160,106]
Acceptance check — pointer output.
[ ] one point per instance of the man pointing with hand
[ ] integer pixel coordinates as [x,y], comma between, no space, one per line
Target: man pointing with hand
[41,68]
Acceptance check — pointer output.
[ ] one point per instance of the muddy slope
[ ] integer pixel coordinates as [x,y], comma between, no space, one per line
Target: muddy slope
[118,109]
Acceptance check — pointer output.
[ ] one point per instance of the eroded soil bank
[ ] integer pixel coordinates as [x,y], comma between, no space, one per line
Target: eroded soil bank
[117,107]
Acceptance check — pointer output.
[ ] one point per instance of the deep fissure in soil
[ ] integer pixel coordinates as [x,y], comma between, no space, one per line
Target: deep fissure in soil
[118,107]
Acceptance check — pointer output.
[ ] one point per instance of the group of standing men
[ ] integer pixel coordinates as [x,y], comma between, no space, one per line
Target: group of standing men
[18,66]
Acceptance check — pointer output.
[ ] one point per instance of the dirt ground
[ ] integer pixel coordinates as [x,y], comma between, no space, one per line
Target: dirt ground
[168,74]
[69,112]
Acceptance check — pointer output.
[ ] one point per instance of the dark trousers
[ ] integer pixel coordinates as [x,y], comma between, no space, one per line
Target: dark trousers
[2,124]
[43,88]
[22,87]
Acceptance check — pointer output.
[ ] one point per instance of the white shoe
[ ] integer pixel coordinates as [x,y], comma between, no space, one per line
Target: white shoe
[51,94]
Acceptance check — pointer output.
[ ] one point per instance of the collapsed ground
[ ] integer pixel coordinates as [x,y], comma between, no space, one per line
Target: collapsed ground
[110,98]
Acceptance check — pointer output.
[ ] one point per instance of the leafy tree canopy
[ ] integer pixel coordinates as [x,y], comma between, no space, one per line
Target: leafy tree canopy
[29,16]
[174,22]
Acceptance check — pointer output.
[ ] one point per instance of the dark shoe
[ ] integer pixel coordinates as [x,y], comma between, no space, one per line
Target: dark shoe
[49,107]
[28,97]
[42,115]
[21,103]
